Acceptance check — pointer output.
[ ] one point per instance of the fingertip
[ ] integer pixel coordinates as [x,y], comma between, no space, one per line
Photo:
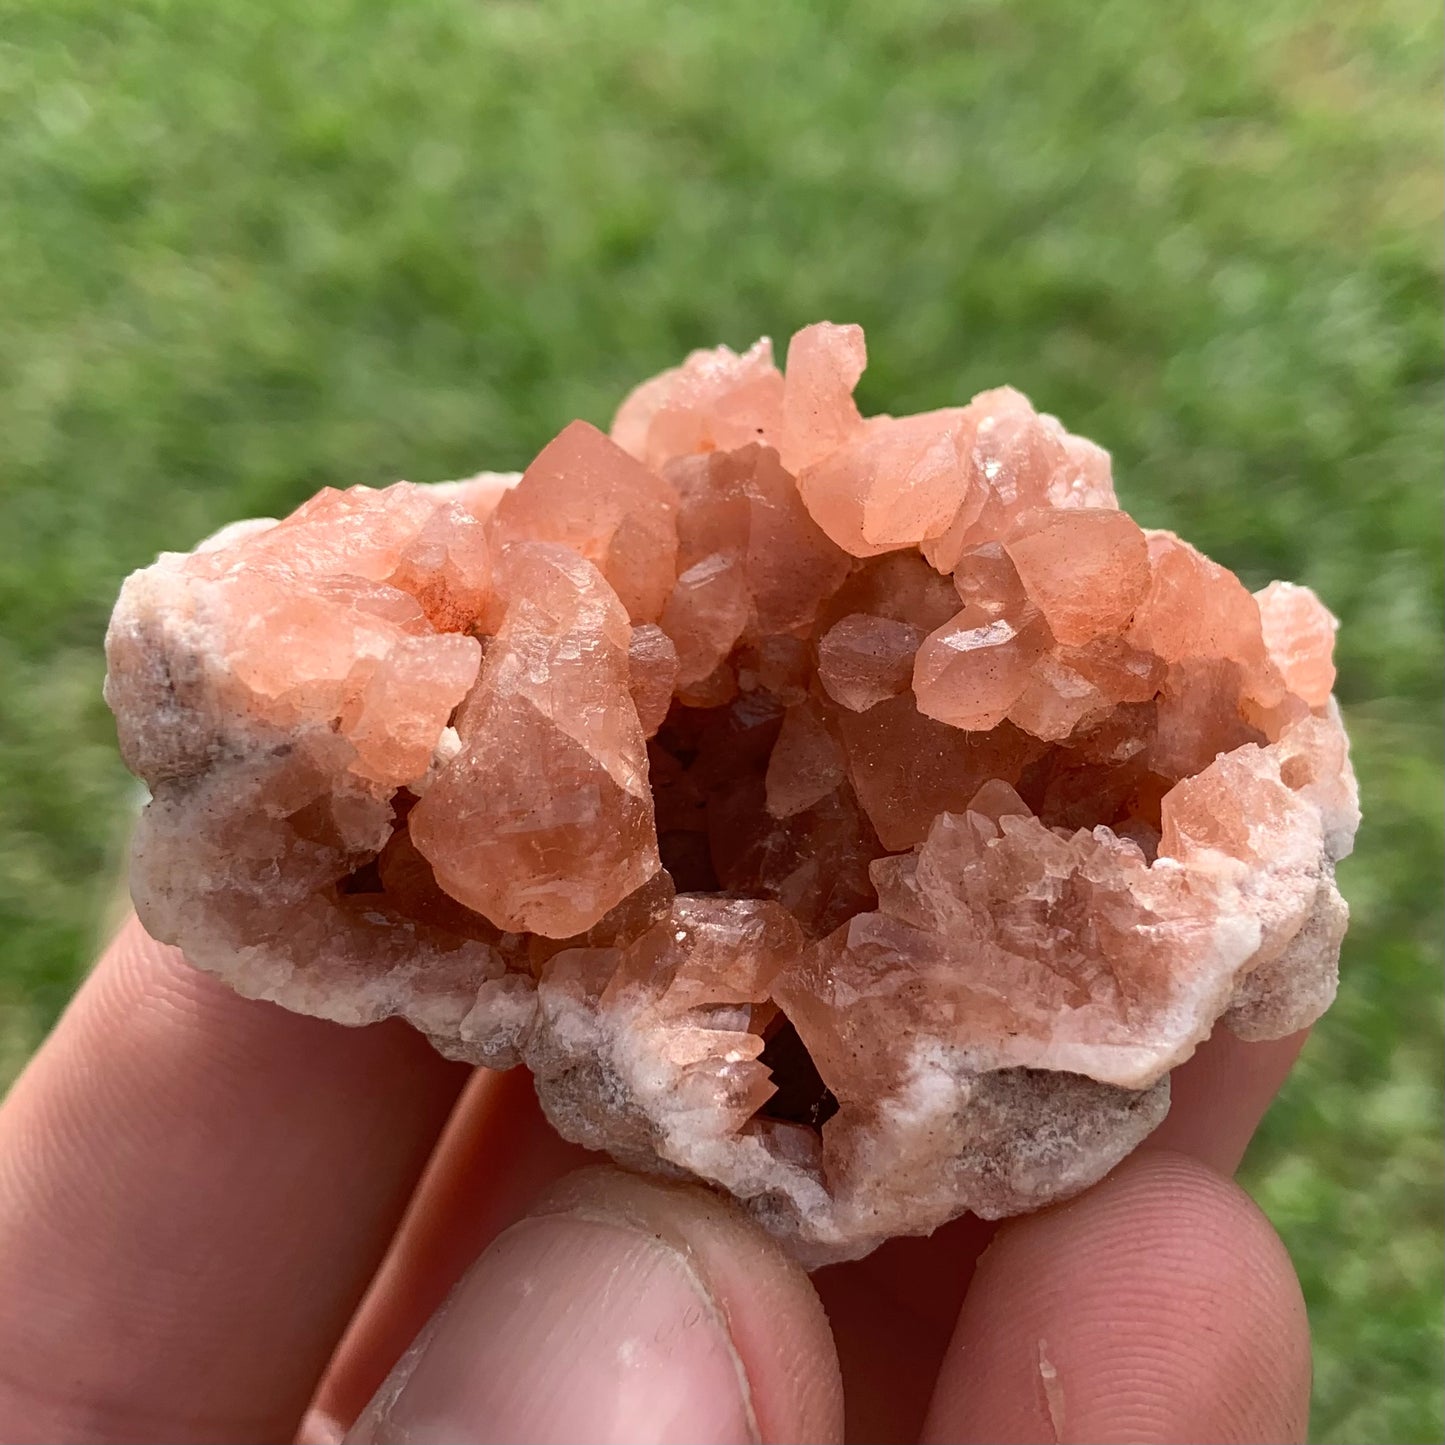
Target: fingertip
[774,1316]
[1158,1306]
[319,1427]
[621,1308]
[1218,1097]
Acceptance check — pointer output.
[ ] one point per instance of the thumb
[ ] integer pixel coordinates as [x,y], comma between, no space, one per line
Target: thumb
[619,1309]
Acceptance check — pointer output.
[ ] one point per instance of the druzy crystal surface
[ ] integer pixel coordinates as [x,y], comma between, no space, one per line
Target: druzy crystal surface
[862,814]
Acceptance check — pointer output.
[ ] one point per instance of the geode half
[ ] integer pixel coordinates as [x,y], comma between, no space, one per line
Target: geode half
[861,814]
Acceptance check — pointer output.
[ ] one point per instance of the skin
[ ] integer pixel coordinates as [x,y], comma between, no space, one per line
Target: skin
[220,1221]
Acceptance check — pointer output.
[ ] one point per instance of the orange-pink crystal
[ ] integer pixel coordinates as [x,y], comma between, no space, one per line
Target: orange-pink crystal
[542,820]
[862,814]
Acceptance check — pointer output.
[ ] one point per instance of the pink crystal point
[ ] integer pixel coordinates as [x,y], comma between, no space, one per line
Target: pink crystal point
[806,763]
[861,814]
[586,493]
[819,413]
[1013,461]
[1196,609]
[1086,478]
[971,671]
[1299,635]
[863,659]
[693,984]
[651,675]
[714,401]
[895,483]
[1086,570]
[542,822]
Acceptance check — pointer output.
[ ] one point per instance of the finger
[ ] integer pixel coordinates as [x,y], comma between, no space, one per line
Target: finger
[620,1309]
[194,1191]
[892,1315]
[1218,1098]
[494,1158]
[1158,1306]
[894,1312]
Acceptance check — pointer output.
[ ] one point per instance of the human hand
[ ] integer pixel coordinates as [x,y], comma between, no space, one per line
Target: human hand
[200,1196]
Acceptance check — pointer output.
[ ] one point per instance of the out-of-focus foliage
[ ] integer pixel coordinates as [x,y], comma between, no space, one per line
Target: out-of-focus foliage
[250,249]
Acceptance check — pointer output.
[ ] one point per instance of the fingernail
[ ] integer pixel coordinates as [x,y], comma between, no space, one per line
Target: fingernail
[570,1328]
[319,1428]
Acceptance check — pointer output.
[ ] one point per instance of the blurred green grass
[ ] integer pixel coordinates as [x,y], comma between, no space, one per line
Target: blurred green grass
[249,250]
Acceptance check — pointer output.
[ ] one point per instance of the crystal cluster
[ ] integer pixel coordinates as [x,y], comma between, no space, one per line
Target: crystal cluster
[860,813]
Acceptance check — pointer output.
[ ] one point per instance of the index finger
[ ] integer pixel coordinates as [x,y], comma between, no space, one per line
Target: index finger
[195,1189]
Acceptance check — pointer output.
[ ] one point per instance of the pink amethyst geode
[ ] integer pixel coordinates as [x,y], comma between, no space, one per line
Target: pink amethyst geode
[862,814]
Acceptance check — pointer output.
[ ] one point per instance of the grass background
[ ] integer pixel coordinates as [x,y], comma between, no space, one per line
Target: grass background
[248,250]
